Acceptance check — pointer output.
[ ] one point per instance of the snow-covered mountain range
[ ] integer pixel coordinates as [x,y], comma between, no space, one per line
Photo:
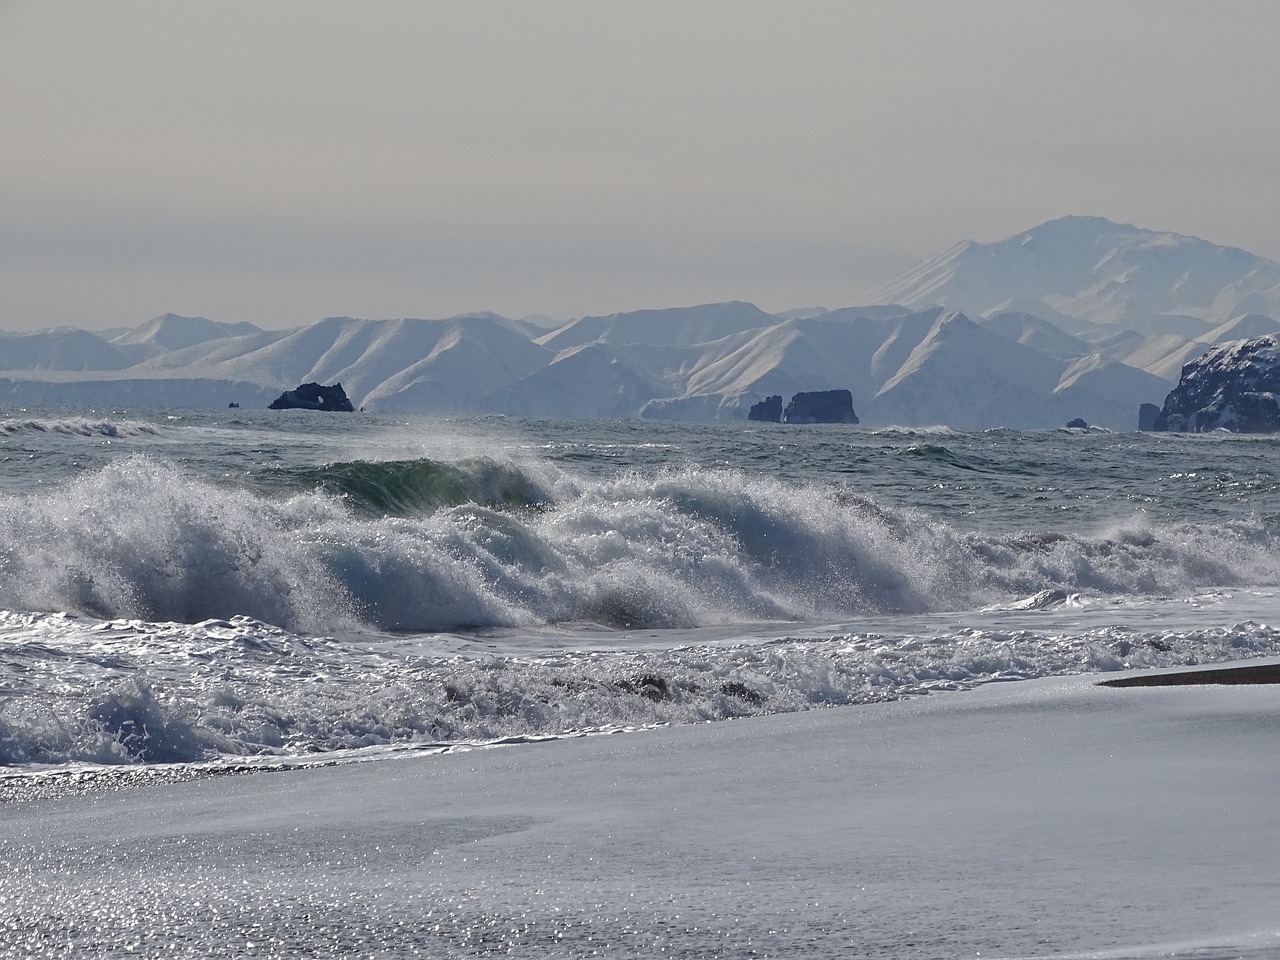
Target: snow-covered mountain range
[1078,317]
[1084,271]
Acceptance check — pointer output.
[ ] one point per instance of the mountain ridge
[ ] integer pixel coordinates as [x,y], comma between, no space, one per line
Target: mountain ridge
[1094,269]
[1079,317]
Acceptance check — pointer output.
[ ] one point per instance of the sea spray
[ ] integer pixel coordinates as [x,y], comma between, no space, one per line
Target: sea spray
[140,538]
[508,546]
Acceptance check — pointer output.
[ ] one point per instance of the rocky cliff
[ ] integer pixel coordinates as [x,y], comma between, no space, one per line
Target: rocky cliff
[1232,387]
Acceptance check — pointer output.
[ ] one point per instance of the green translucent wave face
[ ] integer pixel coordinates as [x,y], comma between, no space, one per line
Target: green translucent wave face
[409,488]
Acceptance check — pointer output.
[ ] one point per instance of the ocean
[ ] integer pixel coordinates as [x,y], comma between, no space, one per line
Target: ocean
[188,590]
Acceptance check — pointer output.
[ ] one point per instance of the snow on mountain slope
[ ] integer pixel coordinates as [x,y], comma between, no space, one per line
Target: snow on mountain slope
[170,331]
[920,367]
[1193,328]
[62,348]
[1161,356]
[1258,291]
[882,311]
[1106,393]
[1096,270]
[801,313]
[677,326]
[705,356]
[467,361]
[1247,326]
[780,359]
[964,375]
[839,350]
[466,357]
[591,380]
[1164,355]
[1079,317]
[1074,326]
[278,357]
[723,378]
[1031,331]
[903,337]
[693,406]
[207,354]
[535,324]
[967,377]
[400,364]
[833,351]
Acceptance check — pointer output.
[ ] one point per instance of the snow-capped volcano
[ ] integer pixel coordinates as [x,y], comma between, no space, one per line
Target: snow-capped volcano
[1078,318]
[1094,270]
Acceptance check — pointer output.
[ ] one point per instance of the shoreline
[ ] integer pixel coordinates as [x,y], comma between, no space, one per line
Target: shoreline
[1201,676]
[19,785]
[900,829]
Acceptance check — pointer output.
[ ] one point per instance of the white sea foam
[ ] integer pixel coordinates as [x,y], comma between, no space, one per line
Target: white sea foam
[111,692]
[937,430]
[682,548]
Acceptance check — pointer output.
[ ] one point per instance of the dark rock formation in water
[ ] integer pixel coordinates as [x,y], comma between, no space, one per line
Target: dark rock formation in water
[1232,387]
[1077,424]
[312,396]
[821,406]
[769,410]
[1148,414]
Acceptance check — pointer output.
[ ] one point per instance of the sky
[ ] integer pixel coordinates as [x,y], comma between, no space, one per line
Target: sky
[286,161]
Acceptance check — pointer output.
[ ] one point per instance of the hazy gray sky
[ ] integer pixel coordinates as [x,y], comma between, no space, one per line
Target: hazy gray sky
[278,162]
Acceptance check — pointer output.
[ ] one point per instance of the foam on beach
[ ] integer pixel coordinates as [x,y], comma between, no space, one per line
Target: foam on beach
[133,692]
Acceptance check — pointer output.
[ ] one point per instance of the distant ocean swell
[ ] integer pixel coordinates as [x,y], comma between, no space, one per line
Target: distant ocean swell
[425,547]
[78,427]
[131,692]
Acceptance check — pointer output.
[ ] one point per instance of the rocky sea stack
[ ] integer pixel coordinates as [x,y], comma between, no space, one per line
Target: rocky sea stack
[821,406]
[1232,387]
[313,396]
[768,410]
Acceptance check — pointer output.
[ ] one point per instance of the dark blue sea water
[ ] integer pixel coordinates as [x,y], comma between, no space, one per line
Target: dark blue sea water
[272,587]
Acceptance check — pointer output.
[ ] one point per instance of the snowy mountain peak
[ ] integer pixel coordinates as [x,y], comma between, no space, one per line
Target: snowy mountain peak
[170,331]
[1095,270]
[1077,225]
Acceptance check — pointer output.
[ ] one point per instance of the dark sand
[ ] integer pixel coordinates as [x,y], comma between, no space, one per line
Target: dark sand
[1259,673]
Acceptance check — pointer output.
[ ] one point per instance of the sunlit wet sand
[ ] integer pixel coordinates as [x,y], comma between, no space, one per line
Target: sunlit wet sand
[1039,818]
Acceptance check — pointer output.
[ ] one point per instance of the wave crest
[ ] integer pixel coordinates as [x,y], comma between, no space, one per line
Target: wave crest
[407,488]
[507,546]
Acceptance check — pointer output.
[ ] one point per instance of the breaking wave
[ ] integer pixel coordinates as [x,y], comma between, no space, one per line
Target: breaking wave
[131,692]
[408,488]
[422,546]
